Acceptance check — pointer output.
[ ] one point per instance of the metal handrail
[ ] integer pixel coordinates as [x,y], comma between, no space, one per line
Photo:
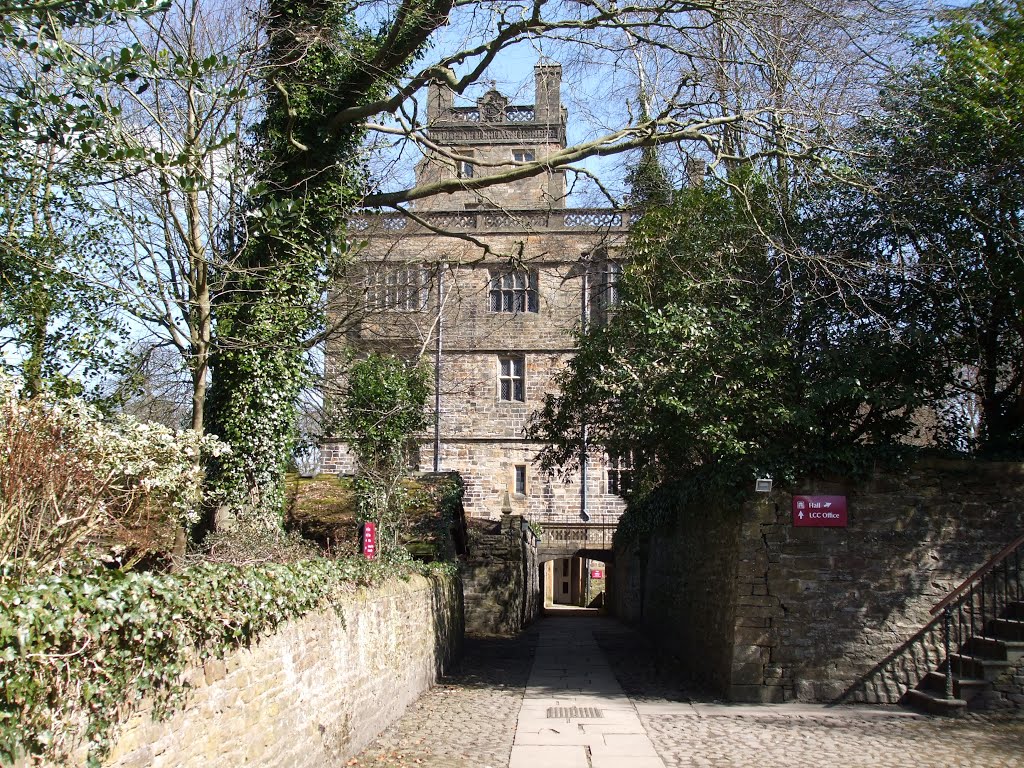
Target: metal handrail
[979,574]
[972,606]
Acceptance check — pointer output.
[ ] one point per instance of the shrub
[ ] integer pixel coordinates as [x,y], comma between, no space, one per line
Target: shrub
[68,475]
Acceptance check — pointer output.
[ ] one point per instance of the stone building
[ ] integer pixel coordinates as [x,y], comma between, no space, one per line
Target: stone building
[488,285]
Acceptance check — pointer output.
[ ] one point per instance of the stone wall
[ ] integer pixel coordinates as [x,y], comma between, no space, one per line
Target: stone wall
[501,577]
[679,583]
[487,468]
[315,692]
[826,614]
[844,608]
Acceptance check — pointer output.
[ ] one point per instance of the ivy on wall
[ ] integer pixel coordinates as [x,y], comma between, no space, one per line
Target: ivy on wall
[79,651]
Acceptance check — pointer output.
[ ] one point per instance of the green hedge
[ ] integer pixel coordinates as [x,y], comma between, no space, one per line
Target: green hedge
[79,651]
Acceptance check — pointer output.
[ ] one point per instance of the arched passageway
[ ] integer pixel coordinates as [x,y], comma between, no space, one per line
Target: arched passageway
[575,560]
[580,579]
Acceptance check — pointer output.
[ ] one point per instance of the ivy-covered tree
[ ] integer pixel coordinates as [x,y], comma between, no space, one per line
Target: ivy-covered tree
[309,178]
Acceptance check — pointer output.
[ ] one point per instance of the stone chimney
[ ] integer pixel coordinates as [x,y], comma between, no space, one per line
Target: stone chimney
[695,172]
[547,102]
[439,102]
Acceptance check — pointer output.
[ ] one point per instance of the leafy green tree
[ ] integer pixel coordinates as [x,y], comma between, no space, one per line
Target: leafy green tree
[383,408]
[648,182]
[56,327]
[728,356]
[946,158]
[58,332]
[52,86]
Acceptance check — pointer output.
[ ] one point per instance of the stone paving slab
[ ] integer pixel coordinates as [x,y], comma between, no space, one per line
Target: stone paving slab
[613,761]
[623,727]
[564,736]
[568,657]
[548,757]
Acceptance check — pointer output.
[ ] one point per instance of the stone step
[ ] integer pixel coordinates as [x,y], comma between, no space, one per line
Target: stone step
[1015,610]
[965,688]
[965,665]
[933,704]
[1006,629]
[995,648]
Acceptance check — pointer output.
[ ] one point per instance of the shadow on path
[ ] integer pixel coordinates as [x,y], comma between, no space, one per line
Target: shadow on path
[639,667]
[469,719]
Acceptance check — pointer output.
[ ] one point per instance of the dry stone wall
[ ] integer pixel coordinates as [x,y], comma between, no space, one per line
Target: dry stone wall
[824,614]
[315,692]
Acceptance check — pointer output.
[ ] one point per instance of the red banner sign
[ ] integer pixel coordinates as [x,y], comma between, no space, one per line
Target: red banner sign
[596,573]
[369,540]
[819,511]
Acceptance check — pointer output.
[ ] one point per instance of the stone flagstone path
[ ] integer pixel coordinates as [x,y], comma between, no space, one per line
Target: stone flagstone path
[574,713]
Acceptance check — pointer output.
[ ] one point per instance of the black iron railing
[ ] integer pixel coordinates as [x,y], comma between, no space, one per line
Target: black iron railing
[970,611]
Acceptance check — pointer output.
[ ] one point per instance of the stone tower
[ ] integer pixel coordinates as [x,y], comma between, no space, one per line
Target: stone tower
[495,323]
[494,135]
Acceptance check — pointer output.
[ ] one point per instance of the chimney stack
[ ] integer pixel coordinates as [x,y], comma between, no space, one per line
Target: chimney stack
[547,101]
[439,102]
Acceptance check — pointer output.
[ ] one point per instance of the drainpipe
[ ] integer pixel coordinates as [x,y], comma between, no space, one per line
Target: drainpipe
[584,311]
[437,367]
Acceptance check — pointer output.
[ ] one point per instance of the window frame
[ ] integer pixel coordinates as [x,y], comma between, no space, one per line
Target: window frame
[466,167]
[514,376]
[513,292]
[619,474]
[523,156]
[605,292]
[519,479]
[400,288]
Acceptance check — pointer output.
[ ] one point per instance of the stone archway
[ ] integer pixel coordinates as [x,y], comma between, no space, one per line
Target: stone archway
[575,579]
[565,555]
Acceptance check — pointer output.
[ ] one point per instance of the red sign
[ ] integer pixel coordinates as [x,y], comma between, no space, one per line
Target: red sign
[819,511]
[596,573]
[369,540]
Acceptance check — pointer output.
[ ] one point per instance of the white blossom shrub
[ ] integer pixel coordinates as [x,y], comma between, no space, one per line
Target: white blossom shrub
[69,475]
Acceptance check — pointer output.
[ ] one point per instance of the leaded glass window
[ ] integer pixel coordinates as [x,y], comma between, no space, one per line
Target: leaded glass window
[402,289]
[511,379]
[513,291]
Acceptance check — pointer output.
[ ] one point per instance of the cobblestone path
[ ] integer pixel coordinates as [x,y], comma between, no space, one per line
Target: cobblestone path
[469,721]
